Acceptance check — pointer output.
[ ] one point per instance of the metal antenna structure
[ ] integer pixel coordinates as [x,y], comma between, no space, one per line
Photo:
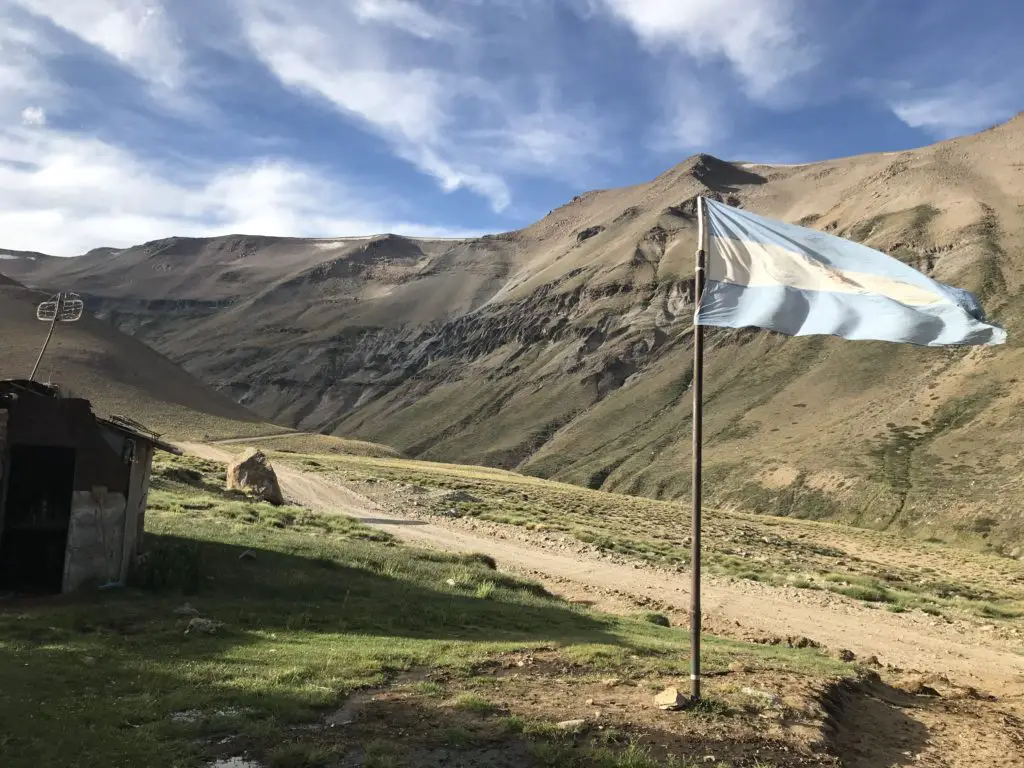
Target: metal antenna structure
[65,307]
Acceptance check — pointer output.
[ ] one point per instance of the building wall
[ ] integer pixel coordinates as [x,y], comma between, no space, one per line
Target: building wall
[95,539]
[40,420]
[3,465]
[110,492]
[135,512]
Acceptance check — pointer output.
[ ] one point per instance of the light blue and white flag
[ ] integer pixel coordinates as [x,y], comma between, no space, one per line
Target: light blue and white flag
[800,282]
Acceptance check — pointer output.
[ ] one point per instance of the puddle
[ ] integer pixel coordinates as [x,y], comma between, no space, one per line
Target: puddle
[356,701]
[195,715]
[350,709]
[234,762]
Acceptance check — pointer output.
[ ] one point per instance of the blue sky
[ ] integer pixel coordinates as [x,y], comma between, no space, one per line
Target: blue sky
[129,120]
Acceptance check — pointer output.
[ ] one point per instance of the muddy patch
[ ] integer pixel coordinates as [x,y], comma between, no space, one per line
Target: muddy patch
[922,721]
[516,711]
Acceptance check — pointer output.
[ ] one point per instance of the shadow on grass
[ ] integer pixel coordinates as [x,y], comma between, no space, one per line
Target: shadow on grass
[392,592]
[95,680]
[113,708]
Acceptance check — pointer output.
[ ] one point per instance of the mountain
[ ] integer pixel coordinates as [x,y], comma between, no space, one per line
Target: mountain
[563,349]
[119,374]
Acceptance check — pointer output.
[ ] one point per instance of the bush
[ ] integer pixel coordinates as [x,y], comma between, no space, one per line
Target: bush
[480,558]
[169,565]
[658,619]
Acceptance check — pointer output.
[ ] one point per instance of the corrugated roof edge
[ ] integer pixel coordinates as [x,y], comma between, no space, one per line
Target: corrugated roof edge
[139,432]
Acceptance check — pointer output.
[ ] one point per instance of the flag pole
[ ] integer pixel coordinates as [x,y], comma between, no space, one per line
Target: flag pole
[698,395]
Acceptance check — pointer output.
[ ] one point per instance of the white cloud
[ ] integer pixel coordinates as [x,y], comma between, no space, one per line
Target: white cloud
[694,117]
[137,33]
[405,15]
[33,116]
[428,101]
[759,38]
[23,78]
[66,194]
[320,54]
[955,109]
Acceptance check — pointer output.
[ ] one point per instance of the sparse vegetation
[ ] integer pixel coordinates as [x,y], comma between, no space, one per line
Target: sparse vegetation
[802,554]
[320,610]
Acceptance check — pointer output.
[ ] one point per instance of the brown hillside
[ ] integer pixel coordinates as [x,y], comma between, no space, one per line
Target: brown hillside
[563,349]
[121,375]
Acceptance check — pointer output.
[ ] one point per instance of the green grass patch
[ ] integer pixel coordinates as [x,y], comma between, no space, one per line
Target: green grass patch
[658,619]
[319,608]
[471,702]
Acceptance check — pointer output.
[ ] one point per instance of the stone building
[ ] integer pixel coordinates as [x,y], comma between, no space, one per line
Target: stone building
[73,489]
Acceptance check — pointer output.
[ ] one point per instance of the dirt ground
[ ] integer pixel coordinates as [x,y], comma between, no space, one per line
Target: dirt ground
[952,695]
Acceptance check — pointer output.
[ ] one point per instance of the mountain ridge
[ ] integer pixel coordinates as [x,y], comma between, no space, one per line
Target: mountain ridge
[563,348]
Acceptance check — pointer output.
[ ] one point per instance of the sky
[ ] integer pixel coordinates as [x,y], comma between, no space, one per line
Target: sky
[124,121]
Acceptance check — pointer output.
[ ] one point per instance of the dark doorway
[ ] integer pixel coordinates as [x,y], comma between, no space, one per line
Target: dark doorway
[36,517]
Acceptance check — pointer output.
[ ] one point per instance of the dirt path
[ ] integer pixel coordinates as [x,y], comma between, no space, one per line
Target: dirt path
[239,440]
[736,607]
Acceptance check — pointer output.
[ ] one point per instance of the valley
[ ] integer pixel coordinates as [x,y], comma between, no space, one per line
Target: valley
[562,350]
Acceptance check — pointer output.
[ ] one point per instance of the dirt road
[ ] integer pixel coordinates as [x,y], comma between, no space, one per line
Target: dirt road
[908,641]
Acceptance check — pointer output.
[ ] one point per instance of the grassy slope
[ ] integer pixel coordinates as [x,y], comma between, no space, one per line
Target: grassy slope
[326,607]
[882,568]
[308,443]
[119,374]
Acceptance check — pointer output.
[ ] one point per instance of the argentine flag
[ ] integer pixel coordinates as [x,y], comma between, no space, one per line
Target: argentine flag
[800,282]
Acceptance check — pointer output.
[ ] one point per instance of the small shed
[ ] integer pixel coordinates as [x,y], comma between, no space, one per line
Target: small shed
[73,489]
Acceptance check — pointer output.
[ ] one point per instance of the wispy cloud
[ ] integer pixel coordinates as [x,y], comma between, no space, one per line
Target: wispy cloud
[24,82]
[136,33]
[127,120]
[64,194]
[693,116]
[760,39]
[420,94]
[407,16]
[955,109]
[349,64]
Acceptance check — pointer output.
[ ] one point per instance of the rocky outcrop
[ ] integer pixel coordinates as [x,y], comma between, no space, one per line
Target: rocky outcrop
[251,472]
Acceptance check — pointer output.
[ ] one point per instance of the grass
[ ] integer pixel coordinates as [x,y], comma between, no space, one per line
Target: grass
[784,552]
[324,608]
[658,619]
[470,702]
[312,443]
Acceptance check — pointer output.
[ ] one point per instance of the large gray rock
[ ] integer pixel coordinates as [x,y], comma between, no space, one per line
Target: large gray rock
[251,472]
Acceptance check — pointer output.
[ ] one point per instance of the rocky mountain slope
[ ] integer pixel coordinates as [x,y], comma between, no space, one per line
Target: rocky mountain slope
[563,349]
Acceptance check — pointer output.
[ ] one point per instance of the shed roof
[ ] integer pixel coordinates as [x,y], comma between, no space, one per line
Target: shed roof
[121,424]
[135,430]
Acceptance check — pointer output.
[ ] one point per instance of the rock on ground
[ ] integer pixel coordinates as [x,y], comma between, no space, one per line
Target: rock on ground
[208,626]
[251,472]
[573,726]
[670,699]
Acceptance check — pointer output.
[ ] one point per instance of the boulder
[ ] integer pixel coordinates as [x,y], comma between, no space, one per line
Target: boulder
[251,472]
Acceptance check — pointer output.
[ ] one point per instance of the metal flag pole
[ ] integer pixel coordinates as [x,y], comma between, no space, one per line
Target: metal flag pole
[698,396]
